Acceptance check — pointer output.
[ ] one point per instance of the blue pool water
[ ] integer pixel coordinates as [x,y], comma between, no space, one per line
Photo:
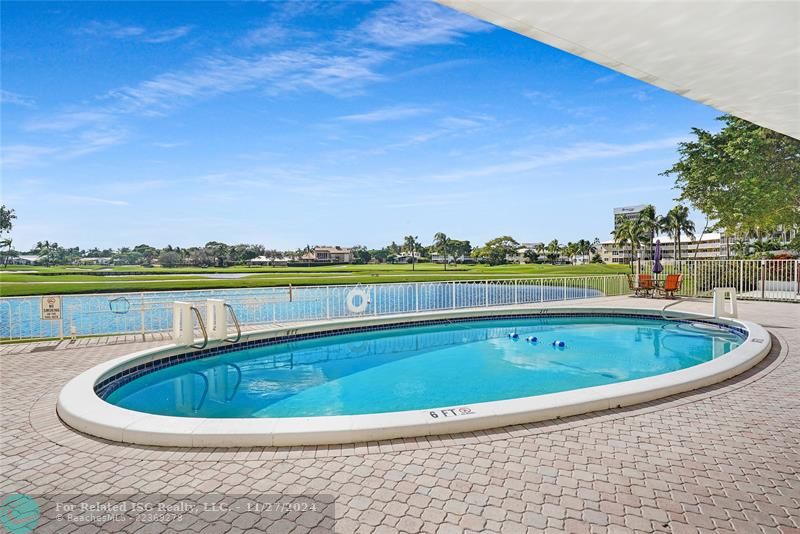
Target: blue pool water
[423,367]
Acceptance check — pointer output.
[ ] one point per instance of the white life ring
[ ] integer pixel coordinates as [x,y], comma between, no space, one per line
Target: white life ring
[351,297]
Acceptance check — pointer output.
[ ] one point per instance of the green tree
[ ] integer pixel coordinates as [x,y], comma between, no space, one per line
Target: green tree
[7,217]
[584,248]
[677,223]
[628,234]
[794,244]
[649,224]
[441,244]
[763,247]
[169,258]
[553,250]
[459,248]
[361,255]
[411,243]
[147,253]
[744,177]
[571,251]
[497,250]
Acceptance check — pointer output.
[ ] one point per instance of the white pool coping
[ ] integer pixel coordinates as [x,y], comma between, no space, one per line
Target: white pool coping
[80,408]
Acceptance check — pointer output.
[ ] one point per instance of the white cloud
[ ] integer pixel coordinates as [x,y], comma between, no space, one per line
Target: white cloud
[114,30]
[607,78]
[166,145]
[276,72]
[94,200]
[577,152]
[341,67]
[67,120]
[110,29]
[409,23]
[268,34]
[167,35]
[556,103]
[92,141]
[22,155]
[87,142]
[386,114]
[7,97]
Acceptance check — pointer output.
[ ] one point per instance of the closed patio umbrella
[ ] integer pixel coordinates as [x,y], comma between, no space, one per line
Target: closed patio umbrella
[657,267]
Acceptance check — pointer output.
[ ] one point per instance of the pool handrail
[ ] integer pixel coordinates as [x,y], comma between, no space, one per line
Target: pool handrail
[202,329]
[235,323]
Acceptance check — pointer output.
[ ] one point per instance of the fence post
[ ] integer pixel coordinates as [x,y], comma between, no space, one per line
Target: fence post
[141,314]
[416,298]
[328,302]
[763,278]
[486,291]
[694,277]
[797,277]
[516,299]
[565,289]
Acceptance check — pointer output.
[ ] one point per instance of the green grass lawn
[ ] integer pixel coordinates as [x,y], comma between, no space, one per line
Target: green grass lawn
[61,280]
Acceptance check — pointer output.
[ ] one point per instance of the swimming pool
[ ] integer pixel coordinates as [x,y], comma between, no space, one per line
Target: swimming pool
[422,367]
[383,378]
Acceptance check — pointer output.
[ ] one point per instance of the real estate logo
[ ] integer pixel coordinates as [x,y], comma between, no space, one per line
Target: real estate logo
[19,513]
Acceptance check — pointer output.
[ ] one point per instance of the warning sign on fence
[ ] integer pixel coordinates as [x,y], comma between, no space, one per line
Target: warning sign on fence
[51,308]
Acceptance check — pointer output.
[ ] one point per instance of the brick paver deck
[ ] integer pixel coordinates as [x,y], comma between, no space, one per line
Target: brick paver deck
[724,459]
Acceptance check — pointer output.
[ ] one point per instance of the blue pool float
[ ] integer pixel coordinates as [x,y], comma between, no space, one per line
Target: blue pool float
[532,339]
[558,343]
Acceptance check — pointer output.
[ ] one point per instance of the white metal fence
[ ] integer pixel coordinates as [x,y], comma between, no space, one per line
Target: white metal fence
[141,313]
[777,280]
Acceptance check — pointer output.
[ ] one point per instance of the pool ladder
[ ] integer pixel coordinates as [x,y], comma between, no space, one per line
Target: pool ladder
[202,329]
[235,323]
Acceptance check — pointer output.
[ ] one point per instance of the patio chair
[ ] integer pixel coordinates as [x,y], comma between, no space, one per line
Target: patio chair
[672,284]
[632,285]
[646,284]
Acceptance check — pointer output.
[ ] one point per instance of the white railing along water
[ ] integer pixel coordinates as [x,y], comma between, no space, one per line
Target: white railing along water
[147,312]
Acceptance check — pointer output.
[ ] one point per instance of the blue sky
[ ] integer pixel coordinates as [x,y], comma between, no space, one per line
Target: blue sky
[323,123]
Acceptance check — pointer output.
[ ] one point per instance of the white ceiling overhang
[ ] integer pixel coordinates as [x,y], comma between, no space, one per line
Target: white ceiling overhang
[741,57]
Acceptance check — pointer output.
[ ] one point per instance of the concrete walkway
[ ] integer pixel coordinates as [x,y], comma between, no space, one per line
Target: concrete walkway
[725,458]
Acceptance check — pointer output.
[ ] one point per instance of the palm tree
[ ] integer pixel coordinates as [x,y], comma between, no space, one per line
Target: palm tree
[410,242]
[553,250]
[763,247]
[539,248]
[6,243]
[43,249]
[628,234]
[583,248]
[677,222]
[650,224]
[571,251]
[441,242]
[741,248]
